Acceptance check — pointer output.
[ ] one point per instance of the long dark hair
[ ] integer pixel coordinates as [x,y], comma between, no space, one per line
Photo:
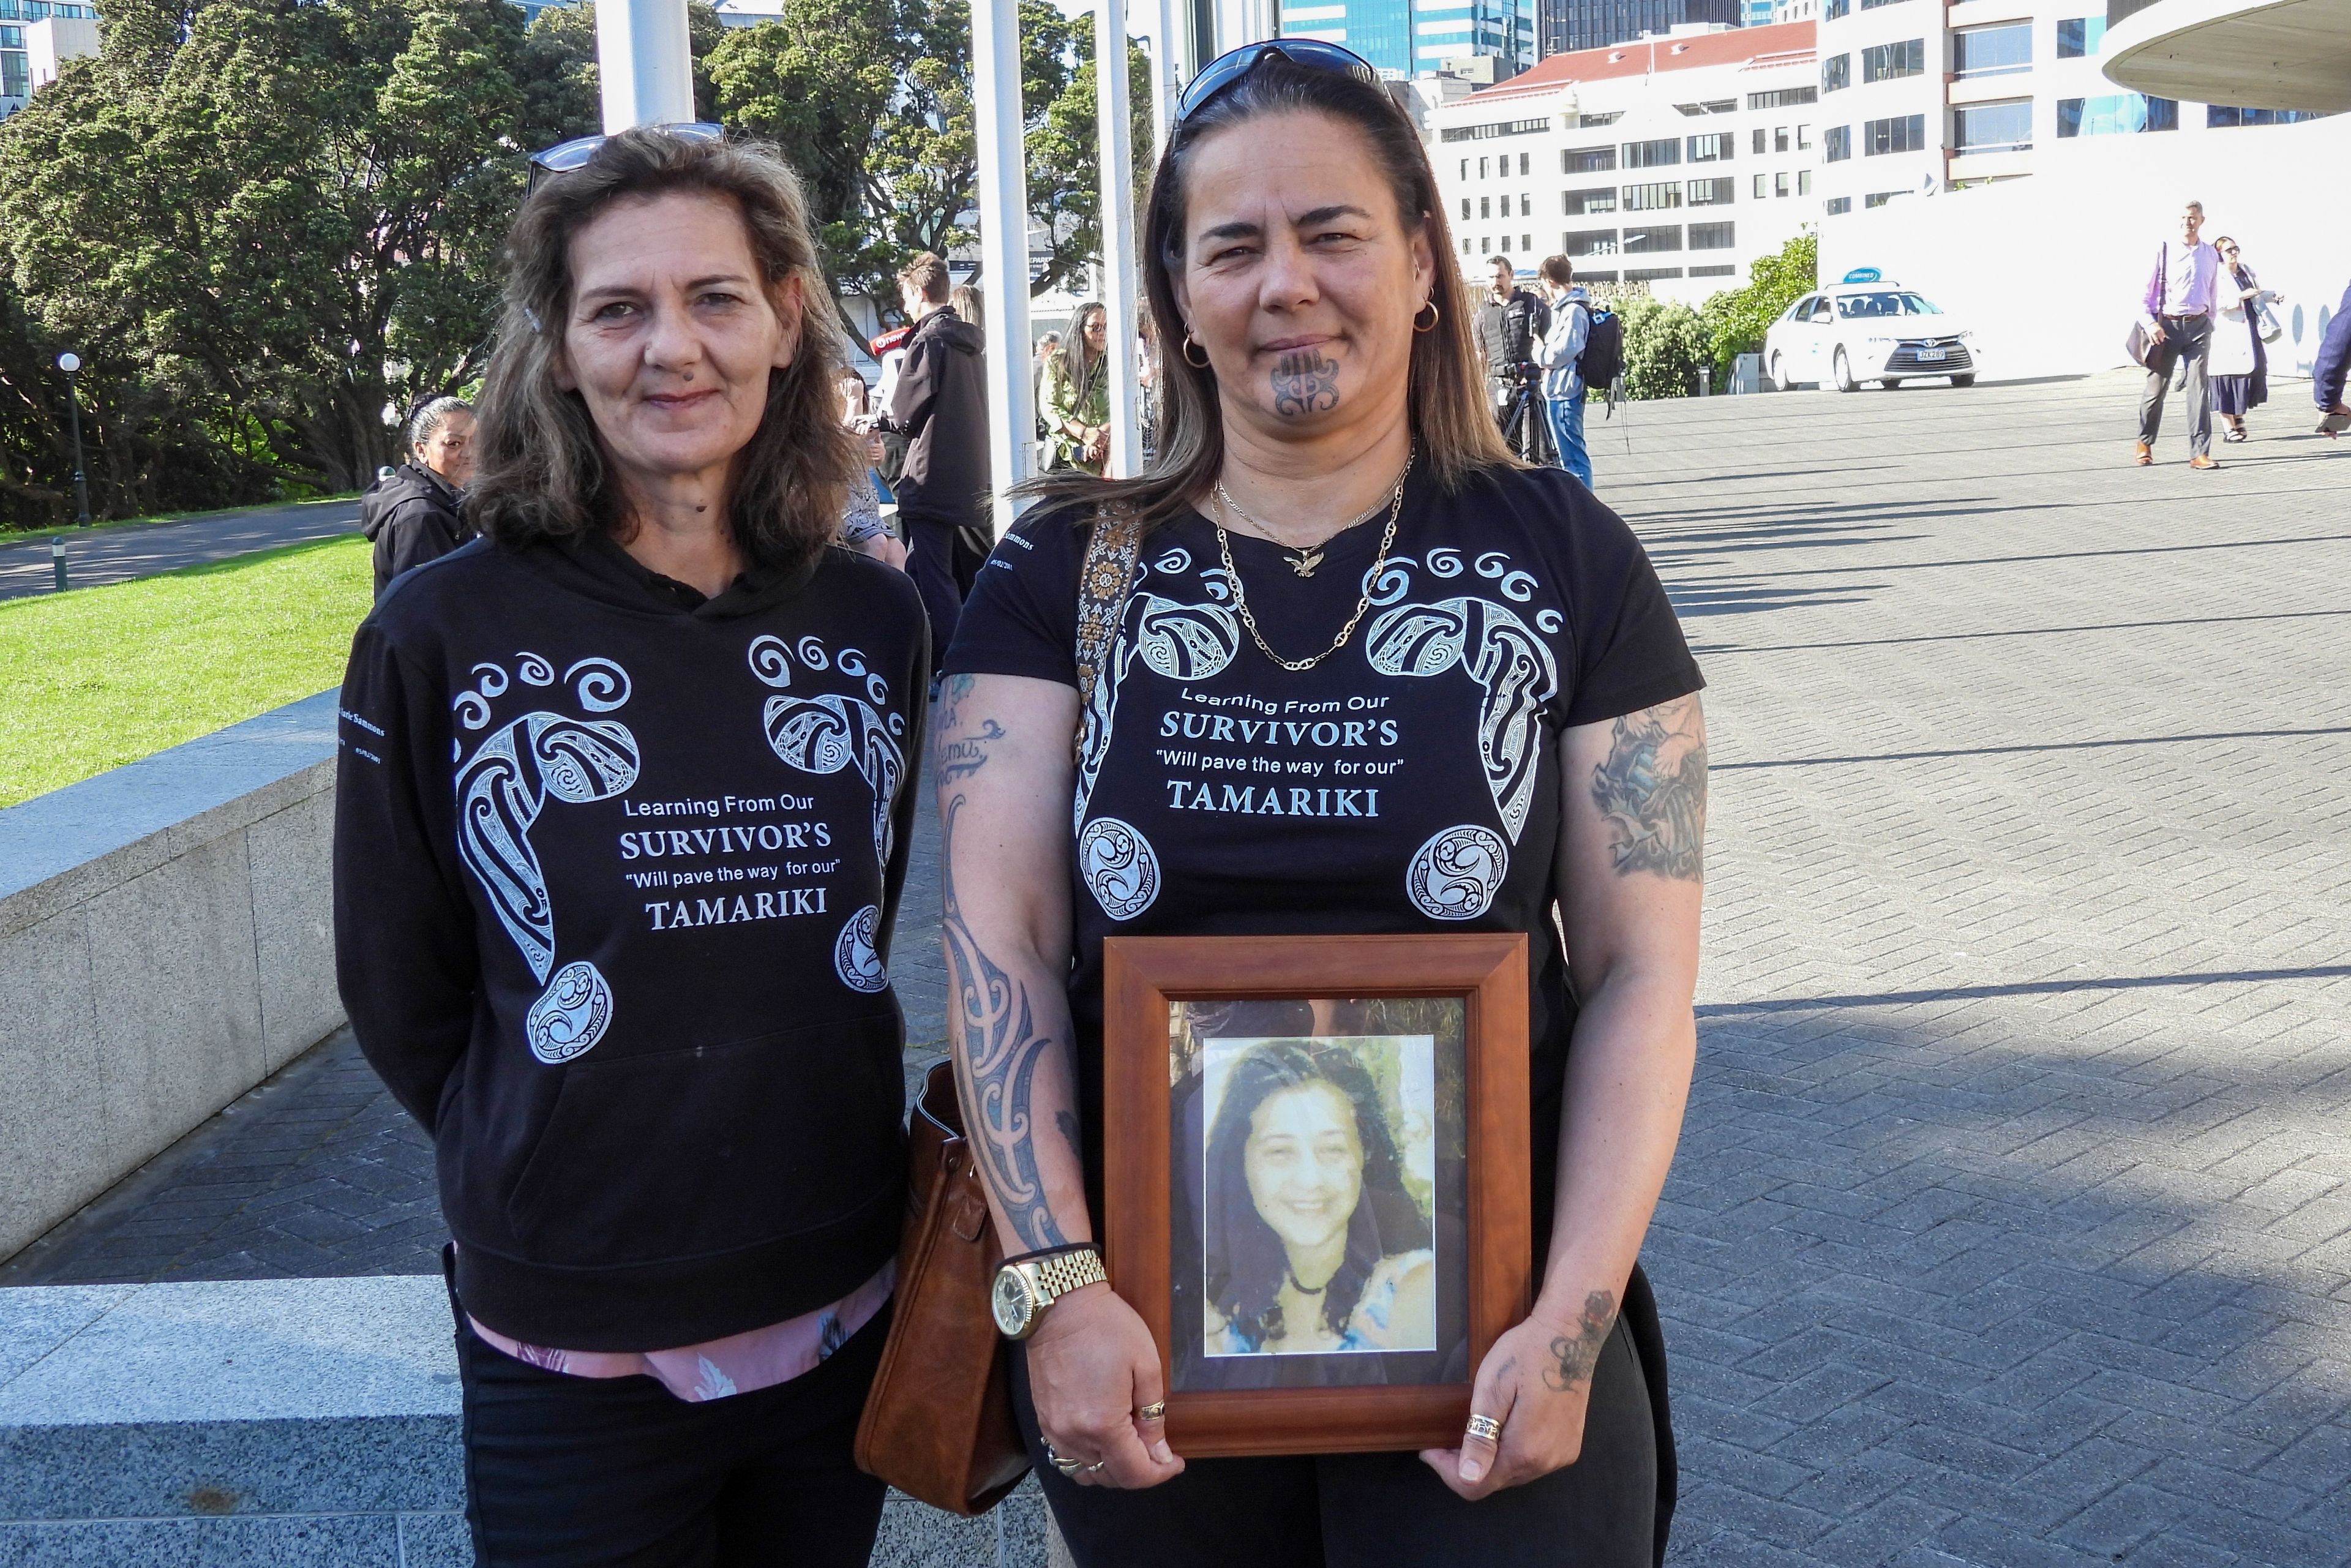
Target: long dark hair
[541,467]
[1080,363]
[1246,1260]
[1456,436]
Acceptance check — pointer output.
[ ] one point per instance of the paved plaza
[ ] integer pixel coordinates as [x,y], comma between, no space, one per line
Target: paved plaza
[2011,1225]
[97,557]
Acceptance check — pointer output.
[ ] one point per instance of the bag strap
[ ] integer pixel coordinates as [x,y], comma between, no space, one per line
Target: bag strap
[1103,583]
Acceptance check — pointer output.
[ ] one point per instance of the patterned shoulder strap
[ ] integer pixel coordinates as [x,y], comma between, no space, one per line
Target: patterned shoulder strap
[1102,585]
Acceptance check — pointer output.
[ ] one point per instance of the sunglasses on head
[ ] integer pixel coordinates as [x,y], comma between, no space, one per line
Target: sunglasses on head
[565,156]
[1230,67]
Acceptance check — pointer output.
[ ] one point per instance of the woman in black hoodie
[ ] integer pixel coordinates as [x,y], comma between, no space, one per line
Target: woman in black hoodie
[621,823]
[413,513]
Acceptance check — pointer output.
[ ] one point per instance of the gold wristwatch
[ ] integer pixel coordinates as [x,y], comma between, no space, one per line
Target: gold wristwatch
[1026,1286]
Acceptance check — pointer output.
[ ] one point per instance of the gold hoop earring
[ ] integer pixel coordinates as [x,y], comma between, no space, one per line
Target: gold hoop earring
[1434,316]
[1190,344]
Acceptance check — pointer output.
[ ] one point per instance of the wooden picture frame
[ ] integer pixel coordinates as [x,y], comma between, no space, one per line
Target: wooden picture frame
[1147,981]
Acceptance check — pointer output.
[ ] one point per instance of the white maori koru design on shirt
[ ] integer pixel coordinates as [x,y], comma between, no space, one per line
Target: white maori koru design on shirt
[1183,642]
[1505,658]
[501,790]
[829,731]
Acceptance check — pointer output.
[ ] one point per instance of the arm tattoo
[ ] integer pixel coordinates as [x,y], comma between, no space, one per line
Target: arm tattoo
[1305,383]
[1001,1049]
[1574,1356]
[1652,791]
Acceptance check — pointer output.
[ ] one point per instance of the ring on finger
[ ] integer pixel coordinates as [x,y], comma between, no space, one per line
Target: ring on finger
[1487,1427]
[1061,1462]
[1153,1411]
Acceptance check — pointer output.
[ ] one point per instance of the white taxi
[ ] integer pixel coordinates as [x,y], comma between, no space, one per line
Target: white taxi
[1866,330]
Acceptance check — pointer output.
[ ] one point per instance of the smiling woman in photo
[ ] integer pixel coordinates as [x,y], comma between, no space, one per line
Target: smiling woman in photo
[1315,1245]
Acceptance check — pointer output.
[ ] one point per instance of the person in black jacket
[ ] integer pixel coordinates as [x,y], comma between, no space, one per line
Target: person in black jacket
[940,404]
[411,513]
[1511,322]
[622,816]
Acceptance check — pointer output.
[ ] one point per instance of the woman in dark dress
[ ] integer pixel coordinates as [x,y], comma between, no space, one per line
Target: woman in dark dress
[1333,528]
[2239,361]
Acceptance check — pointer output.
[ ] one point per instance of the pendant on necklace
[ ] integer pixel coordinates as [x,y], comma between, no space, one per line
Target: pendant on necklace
[1304,562]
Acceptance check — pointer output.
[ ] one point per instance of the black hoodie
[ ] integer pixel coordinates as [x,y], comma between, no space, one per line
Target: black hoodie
[615,873]
[412,516]
[940,403]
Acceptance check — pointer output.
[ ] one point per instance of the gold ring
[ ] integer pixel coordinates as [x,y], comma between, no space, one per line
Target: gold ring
[1153,1411]
[1485,1426]
[1067,1466]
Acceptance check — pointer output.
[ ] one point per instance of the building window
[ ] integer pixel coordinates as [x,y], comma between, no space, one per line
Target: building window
[1485,245]
[1650,241]
[1711,193]
[1589,242]
[12,38]
[1526,163]
[1902,134]
[1762,186]
[1836,144]
[1780,139]
[1575,204]
[1714,272]
[2079,37]
[1711,236]
[1993,51]
[1464,171]
[1526,243]
[1465,209]
[1763,144]
[1874,4]
[1485,170]
[1659,155]
[1595,276]
[1890,62]
[1803,181]
[1650,198]
[1650,274]
[2114,114]
[1839,205]
[1485,206]
[1836,71]
[1992,127]
[1611,117]
[1835,10]
[1803,136]
[1879,198]
[1587,160]
[2217,118]
[1714,149]
[1779,184]
[1499,128]
[1781,98]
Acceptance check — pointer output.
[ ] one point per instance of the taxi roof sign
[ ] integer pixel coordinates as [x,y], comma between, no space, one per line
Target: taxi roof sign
[1865,275]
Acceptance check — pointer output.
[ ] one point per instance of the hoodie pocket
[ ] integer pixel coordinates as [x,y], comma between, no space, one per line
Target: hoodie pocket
[686,1152]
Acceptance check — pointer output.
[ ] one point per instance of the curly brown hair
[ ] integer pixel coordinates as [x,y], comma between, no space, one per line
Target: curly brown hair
[541,469]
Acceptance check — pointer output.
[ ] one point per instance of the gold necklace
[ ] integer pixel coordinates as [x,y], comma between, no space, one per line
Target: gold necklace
[1371,579]
[1301,558]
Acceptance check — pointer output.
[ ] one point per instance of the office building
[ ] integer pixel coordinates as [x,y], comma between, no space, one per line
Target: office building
[1564,27]
[36,35]
[1675,161]
[1403,39]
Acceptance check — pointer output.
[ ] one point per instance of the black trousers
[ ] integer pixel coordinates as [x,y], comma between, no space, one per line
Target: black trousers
[1379,1511]
[941,559]
[580,1472]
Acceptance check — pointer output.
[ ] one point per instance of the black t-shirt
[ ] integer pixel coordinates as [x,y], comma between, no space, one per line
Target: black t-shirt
[1410,782]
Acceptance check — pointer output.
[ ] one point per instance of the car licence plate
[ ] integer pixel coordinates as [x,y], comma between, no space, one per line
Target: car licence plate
[1929,356]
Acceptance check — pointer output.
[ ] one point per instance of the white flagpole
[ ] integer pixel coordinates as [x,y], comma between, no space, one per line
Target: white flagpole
[1003,248]
[644,59]
[1117,141]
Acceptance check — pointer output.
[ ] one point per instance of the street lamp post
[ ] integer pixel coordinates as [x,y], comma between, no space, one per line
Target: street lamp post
[71,363]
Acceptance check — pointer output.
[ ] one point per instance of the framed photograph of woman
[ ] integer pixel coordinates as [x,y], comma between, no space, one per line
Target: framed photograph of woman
[1316,1178]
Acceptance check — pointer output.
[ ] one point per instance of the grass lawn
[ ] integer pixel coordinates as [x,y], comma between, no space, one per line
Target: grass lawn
[99,676]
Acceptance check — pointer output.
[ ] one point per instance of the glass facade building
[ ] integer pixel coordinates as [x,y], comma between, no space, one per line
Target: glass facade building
[1404,37]
[1563,26]
[16,64]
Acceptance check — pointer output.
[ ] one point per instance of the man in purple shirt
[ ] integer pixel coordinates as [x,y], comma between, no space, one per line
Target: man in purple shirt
[2177,316]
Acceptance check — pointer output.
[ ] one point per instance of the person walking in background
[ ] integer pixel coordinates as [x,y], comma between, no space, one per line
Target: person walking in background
[2239,359]
[1509,323]
[940,405]
[2177,314]
[1075,397]
[970,306]
[1561,355]
[668,1128]
[412,514]
[861,528]
[2328,369]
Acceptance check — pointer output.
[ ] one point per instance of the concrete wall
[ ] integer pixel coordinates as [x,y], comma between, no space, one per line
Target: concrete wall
[2049,270]
[166,943]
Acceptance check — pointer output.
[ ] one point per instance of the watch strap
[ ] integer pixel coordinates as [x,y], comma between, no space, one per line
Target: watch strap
[1058,1275]
[1042,1253]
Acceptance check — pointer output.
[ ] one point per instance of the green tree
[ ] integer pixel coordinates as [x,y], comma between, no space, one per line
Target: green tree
[1736,319]
[1663,347]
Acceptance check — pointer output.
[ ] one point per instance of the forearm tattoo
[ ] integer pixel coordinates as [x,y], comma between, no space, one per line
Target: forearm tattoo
[1305,383]
[1573,1356]
[998,1044]
[1651,792]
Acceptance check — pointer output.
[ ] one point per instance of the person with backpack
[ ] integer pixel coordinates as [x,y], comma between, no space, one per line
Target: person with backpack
[1583,347]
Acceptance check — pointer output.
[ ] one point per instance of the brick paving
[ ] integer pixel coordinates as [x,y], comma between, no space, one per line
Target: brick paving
[2012,1225]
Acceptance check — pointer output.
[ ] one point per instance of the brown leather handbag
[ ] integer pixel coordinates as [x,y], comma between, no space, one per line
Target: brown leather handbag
[938,1423]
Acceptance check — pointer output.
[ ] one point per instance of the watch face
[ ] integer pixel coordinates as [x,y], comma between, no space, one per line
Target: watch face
[1015,1306]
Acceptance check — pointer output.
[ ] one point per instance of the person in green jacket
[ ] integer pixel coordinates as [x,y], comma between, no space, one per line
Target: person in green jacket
[1077,392]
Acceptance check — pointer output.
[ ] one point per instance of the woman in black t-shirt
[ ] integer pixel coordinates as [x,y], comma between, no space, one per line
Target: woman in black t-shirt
[1370,676]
